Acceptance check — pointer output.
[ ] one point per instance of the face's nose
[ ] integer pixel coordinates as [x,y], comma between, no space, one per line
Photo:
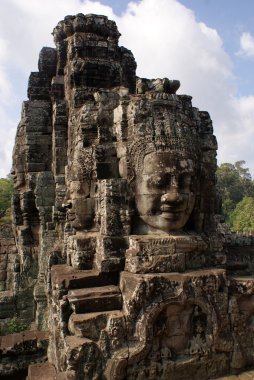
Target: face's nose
[172,197]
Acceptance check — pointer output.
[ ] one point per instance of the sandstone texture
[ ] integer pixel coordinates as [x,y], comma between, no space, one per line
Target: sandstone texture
[8,255]
[115,247]
[17,351]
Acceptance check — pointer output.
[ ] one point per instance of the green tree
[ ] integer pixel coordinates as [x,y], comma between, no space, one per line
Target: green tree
[233,182]
[6,190]
[14,325]
[242,217]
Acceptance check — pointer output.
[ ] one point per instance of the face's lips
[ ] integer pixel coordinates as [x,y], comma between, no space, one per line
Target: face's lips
[173,216]
[171,209]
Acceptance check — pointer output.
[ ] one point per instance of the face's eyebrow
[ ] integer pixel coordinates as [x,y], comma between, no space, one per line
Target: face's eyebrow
[177,171]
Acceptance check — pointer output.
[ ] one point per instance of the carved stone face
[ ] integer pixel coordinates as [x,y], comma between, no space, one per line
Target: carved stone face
[165,191]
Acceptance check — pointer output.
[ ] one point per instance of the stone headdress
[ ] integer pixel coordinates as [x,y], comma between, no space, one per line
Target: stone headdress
[165,130]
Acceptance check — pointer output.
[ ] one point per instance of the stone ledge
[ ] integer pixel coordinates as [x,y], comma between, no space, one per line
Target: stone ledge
[22,342]
[249,375]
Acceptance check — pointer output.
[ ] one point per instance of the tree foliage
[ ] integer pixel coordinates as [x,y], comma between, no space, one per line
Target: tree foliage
[14,325]
[6,190]
[242,217]
[234,182]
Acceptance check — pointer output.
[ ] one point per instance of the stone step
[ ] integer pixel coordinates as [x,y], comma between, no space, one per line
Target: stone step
[89,325]
[23,341]
[95,299]
[75,348]
[248,375]
[46,371]
[64,276]
[41,371]
[68,375]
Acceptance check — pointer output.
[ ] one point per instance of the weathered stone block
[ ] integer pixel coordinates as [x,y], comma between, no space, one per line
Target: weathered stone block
[39,86]
[95,299]
[81,251]
[47,61]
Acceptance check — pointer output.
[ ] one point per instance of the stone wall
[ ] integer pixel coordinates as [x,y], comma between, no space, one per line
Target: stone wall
[18,351]
[239,247]
[8,273]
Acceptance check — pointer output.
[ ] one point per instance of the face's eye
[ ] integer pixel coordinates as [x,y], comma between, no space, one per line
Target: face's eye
[185,181]
[156,181]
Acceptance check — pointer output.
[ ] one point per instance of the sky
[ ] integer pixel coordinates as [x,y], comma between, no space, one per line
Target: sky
[207,44]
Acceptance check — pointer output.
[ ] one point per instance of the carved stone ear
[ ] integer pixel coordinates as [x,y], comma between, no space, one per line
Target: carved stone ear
[132,177]
[123,168]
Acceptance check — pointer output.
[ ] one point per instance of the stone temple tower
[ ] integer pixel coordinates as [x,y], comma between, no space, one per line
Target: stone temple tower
[119,253]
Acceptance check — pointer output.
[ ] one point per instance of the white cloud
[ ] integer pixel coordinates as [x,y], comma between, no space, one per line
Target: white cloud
[3,49]
[5,85]
[32,22]
[237,134]
[7,132]
[247,45]
[167,41]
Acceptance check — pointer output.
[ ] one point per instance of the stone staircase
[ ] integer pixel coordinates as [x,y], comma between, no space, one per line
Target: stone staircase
[20,350]
[86,302]
[84,324]
[65,277]
[100,298]
[248,375]
[46,371]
